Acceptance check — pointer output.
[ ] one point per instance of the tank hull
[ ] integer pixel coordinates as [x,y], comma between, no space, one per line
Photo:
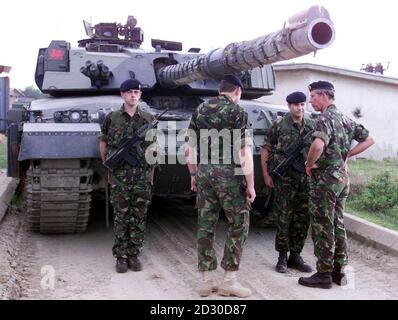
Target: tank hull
[64,168]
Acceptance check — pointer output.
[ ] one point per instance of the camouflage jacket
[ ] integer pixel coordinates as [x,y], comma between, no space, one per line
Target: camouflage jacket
[120,124]
[231,125]
[337,132]
[283,134]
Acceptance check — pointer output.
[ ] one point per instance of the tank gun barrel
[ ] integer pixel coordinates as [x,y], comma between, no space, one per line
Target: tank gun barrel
[306,32]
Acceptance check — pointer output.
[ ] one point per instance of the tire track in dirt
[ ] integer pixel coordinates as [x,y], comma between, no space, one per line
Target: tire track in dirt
[84,266]
[15,256]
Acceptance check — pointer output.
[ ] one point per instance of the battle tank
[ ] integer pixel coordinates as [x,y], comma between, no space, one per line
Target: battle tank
[53,144]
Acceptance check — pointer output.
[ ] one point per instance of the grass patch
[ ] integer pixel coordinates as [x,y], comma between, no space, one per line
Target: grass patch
[3,153]
[374,191]
[381,219]
[362,171]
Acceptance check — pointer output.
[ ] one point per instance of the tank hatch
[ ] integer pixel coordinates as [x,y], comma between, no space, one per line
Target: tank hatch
[112,37]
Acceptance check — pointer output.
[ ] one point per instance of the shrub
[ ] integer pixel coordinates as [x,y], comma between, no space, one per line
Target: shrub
[380,195]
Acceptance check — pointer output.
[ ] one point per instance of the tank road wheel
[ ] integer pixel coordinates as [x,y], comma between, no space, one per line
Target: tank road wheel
[58,195]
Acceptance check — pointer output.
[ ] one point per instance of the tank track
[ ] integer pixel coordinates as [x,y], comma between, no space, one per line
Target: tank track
[58,195]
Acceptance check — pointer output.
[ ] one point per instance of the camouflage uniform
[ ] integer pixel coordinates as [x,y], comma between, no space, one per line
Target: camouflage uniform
[219,187]
[329,188]
[131,186]
[292,190]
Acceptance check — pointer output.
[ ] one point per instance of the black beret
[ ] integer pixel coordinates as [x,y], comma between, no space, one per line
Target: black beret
[296,97]
[130,84]
[321,85]
[232,79]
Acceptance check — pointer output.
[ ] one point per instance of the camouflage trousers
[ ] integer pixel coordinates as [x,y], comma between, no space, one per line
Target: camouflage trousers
[291,208]
[219,187]
[130,197]
[328,194]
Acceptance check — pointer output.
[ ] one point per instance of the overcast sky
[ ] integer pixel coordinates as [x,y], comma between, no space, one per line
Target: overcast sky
[365,30]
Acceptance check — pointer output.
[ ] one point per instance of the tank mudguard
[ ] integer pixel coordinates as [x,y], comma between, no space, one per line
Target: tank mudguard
[59,141]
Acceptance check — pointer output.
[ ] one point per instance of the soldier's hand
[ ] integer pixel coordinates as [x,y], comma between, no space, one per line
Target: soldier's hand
[309,169]
[269,182]
[193,184]
[250,194]
[346,165]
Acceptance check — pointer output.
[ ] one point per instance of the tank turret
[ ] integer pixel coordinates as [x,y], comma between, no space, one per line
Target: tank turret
[101,63]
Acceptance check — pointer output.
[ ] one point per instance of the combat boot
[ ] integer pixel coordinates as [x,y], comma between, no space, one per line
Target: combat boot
[339,277]
[296,262]
[134,263]
[121,265]
[231,287]
[281,266]
[208,284]
[317,280]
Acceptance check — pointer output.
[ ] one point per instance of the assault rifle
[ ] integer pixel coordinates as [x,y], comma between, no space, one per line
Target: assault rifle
[291,153]
[123,152]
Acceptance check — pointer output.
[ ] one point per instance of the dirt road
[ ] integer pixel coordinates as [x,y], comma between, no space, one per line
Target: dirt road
[81,266]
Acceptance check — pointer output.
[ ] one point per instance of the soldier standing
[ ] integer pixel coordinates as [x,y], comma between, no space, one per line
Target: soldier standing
[329,185]
[219,186]
[130,185]
[292,190]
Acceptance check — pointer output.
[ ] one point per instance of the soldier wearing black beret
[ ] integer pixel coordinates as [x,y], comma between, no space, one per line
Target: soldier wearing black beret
[234,80]
[326,167]
[130,84]
[219,186]
[130,182]
[291,190]
[296,98]
[321,85]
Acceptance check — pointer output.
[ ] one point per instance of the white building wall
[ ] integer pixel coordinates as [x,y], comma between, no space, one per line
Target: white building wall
[377,100]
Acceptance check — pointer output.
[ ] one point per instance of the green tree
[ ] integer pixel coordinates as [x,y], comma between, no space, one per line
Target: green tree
[32,92]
